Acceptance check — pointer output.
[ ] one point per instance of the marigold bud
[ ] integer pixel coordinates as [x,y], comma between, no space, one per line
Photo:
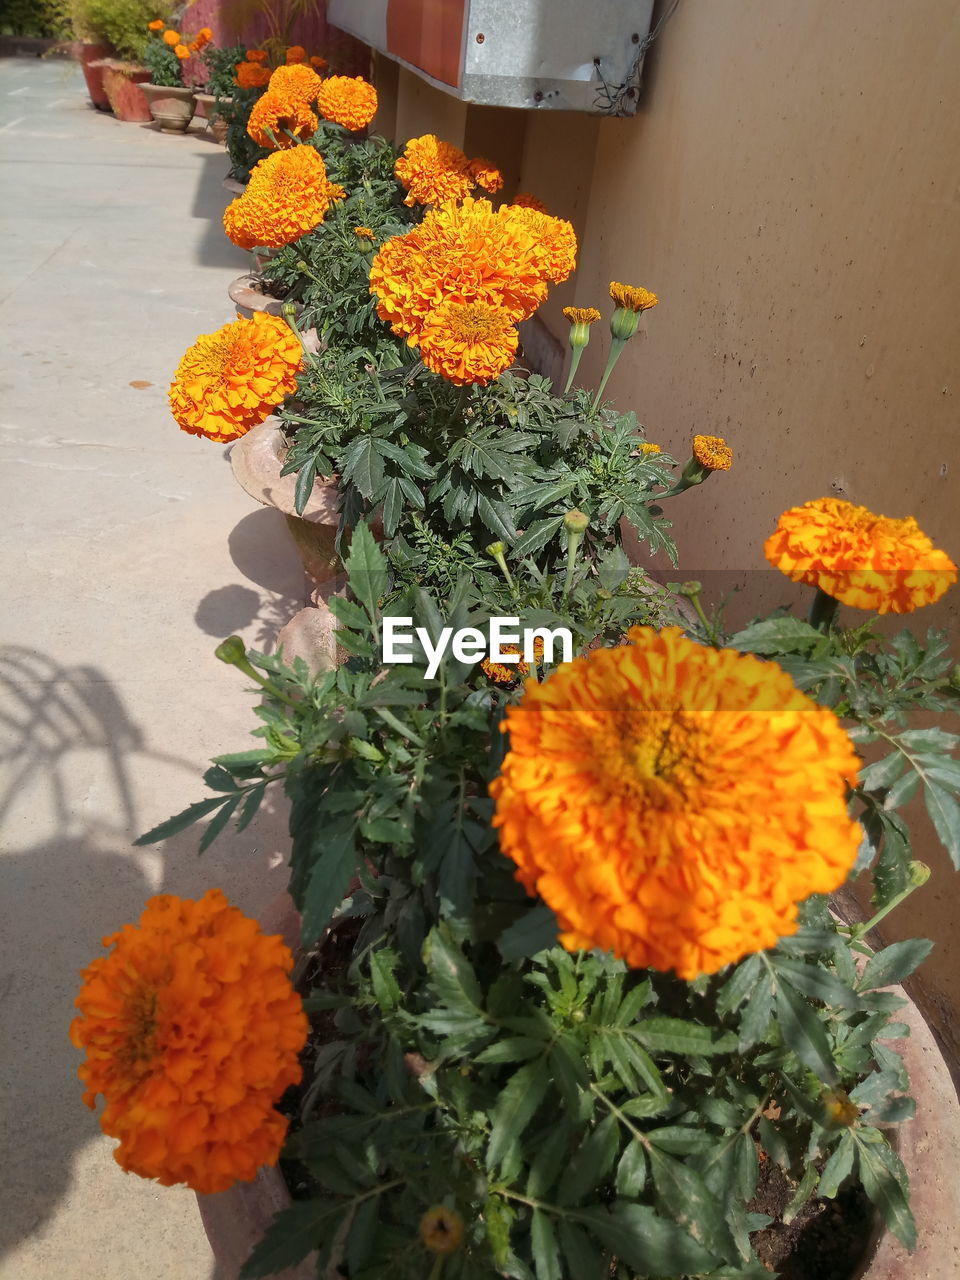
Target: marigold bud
[289,311]
[576,522]
[441,1229]
[919,874]
[623,323]
[690,589]
[232,651]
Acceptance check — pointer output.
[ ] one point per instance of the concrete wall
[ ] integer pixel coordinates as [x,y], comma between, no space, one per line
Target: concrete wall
[790,190]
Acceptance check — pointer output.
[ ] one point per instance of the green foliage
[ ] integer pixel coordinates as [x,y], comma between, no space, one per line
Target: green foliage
[165,67]
[235,109]
[122,24]
[221,63]
[40,19]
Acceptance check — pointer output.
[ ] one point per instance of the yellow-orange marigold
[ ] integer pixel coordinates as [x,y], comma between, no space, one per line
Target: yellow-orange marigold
[632,298]
[647,446]
[231,380]
[557,241]
[158,25]
[527,201]
[251,75]
[319,64]
[582,315]
[351,102]
[288,195]
[363,233]
[181,51]
[257,55]
[192,1032]
[275,116]
[171,37]
[296,81]
[486,175]
[296,53]
[432,171]
[673,803]
[713,452]
[459,253]
[861,559]
[468,342]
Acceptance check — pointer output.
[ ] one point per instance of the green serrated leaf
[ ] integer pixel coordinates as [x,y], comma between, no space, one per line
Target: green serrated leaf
[180,821]
[838,1167]
[543,1245]
[803,1032]
[944,813]
[583,1258]
[534,931]
[883,1188]
[676,1035]
[514,1110]
[591,1163]
[647,1243]
[894,963]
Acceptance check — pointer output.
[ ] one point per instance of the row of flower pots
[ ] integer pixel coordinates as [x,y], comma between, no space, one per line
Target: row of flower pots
[126,89]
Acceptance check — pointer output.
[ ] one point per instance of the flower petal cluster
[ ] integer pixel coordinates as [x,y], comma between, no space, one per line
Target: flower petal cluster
[581,315]
[631,297]
[527,201]
[275,116]
[251,75]
[557,240]
[192,1032]
[432,171]
[486,175]
[257,55]
[673,803]
[861,559]
[296,81]
[288,195]
[468,342]
[171,37]
[296,53]
[348,101]
[231,380]
[712,452]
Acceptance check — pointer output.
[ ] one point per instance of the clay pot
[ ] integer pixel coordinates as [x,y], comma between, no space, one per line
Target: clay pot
[233,186]
[257,459]
[123,83]
[171,106]
[207,108]
[90,57]
[247,297]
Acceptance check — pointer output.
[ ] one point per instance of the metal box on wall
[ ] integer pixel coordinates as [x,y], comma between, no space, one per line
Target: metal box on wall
[560,54]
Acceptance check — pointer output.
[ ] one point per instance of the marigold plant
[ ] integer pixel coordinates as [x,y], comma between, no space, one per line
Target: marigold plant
[252,75]
[347,101]
[288,195]
[297,82]
[432,171]
[674,803]
[468,342]
[192,1032]
[278,120]
[861,559]
[231,380]
[713,453]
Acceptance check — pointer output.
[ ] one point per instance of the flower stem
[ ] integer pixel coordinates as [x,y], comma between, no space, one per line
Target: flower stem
[823,611]
[574,362]
[616,346]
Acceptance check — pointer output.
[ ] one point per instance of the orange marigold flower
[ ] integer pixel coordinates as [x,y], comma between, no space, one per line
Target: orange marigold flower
[432,171]
[861,559]
[288,195]
[364,233]
[503,674]
[674,803]
[181,51]
[319,64]
[468,342]
[647,447]
[486,175]
[713,452]
[633,299]
[250,75]
[557,240]
[351,102]
[459,253]
[192,1032]
[257,55]
[275,116]
[296,53]
[582,315]
[156,26]
[296,81]
[526,201]
[231,380]
[441,1229]
[171,37]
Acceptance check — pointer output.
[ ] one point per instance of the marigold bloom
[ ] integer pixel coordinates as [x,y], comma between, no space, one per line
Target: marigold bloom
[432,171]
[181,51]
[296,53]
[205,35]
[319,64]
[351,102]
[501,673]
[526,201]
[441,1229]
[468,342]
[282,116]
[557,241]
[486,175]
[646,446]
[861,559]
[582,315]
[713,452]
[250,75]
[158,25]
[673,803]
[363,233]
[296,81]
[231,380]
[192,1032]
[171,37]
[459,253]
[288,195]
[632,299]
[257,55]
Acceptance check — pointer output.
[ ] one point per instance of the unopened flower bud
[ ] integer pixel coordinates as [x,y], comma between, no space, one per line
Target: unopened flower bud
[919,874]
[289,311]
[576,522]
[232,651]
[496,549]
[690,589]
[623,323]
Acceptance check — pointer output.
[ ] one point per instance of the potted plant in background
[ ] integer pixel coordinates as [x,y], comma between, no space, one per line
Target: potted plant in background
[172,103]
[217,94]
[119,26]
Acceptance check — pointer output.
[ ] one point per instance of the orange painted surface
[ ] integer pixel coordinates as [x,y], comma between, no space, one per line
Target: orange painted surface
[428,34]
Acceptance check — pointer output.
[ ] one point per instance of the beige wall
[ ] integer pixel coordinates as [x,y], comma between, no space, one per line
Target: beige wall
[791,190]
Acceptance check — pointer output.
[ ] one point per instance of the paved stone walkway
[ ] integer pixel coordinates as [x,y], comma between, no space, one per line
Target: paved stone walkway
[128,554]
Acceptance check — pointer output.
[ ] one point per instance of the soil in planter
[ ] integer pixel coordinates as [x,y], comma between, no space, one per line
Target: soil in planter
[827,1240]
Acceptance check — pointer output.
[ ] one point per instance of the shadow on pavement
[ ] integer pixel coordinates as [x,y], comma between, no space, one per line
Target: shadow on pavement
[209,201]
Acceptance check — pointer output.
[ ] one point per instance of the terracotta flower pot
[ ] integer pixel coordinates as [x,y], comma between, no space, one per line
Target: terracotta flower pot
[123,83]
[257,459]
[90,57]
[207,108]
[171,106]
[247,297]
